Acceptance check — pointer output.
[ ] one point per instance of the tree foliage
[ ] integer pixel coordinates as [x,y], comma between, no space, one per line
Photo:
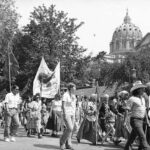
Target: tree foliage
[121,73]
[51,34]
[8,26]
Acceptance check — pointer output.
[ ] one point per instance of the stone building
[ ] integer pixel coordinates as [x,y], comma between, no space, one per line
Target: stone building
[124,40]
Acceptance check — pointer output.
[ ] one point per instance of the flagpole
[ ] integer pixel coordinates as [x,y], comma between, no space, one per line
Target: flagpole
[96,92]
[60,77]
[9,69]
[41,82]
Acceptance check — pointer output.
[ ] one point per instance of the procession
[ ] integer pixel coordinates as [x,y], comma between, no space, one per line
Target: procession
[60,90]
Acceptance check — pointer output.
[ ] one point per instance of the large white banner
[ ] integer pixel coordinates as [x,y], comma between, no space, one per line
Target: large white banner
[46,82]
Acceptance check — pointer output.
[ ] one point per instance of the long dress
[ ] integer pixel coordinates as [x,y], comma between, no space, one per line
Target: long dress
[55,119]
[121,131]
[89,128]
[34,116]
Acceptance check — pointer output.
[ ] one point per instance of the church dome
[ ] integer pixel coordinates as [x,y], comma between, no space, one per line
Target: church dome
[125,37]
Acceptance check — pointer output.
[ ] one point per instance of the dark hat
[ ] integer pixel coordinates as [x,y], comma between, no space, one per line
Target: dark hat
[137,85]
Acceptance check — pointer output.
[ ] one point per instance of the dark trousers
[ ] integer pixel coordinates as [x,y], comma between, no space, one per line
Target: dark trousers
[137,130]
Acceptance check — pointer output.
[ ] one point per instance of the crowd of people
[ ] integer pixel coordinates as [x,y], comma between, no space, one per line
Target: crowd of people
[97,118]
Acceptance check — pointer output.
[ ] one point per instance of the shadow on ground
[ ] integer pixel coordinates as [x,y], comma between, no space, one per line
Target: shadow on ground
[45,146]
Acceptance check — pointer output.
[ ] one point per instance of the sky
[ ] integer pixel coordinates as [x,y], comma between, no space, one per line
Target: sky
[100,17]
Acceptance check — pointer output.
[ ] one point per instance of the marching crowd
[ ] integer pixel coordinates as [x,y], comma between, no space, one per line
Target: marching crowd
[123,117]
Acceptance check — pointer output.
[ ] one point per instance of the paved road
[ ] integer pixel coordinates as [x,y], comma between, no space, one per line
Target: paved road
[48,143]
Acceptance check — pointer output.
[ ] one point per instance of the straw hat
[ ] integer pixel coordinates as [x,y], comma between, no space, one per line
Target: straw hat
[137,85]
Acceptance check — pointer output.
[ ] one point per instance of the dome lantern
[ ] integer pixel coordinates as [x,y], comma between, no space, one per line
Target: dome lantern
[127,19]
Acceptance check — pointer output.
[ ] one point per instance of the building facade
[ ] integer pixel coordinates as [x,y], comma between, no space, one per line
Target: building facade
[124,40]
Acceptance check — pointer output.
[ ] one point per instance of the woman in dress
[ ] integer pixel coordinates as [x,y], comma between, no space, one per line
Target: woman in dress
[54,121]
[44,116]
[89,128]
[121,131]
[26,109]
[34,120]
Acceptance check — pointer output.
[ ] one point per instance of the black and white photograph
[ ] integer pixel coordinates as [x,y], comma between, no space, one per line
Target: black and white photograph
[74,74]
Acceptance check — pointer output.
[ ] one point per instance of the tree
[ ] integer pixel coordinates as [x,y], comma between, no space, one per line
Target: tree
[121,73]
[51,34]
[8,26]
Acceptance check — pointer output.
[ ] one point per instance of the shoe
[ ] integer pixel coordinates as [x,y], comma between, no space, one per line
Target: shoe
[78,140]
[39,136]
[28,133]
[69,147]
[62,147]
[13,139]
[53,135]
[57,136]
[7,140]
[117,142]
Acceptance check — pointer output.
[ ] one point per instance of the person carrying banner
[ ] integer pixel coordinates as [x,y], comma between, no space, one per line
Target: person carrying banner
[11,102]
[68,108]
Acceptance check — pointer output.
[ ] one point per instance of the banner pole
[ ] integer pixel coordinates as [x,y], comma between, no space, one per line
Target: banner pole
[41,82]
[9,69]
[96,92]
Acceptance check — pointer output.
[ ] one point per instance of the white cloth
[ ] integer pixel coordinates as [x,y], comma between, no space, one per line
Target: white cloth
[137,107]
[12,100]
[36,106]
[56,105]
[70,103]
[149,106]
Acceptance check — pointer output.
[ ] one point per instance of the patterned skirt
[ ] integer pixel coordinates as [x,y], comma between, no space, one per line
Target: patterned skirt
[122,131]
[33,122]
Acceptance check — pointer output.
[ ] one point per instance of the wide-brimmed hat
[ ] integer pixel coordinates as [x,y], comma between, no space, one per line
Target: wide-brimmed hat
[137,85]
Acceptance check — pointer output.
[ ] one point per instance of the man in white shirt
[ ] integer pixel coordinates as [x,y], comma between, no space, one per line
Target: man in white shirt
[136,106]
[11,102]
[68,108]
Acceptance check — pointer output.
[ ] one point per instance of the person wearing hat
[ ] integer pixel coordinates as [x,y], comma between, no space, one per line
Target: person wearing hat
[68,109]
[136,105]
[147,97]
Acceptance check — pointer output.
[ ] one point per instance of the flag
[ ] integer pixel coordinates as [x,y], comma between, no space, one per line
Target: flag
[55,82]
[51,84]
[42,75]
[12,64]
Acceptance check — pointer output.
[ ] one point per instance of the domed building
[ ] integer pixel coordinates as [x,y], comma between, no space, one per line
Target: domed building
[125,38]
